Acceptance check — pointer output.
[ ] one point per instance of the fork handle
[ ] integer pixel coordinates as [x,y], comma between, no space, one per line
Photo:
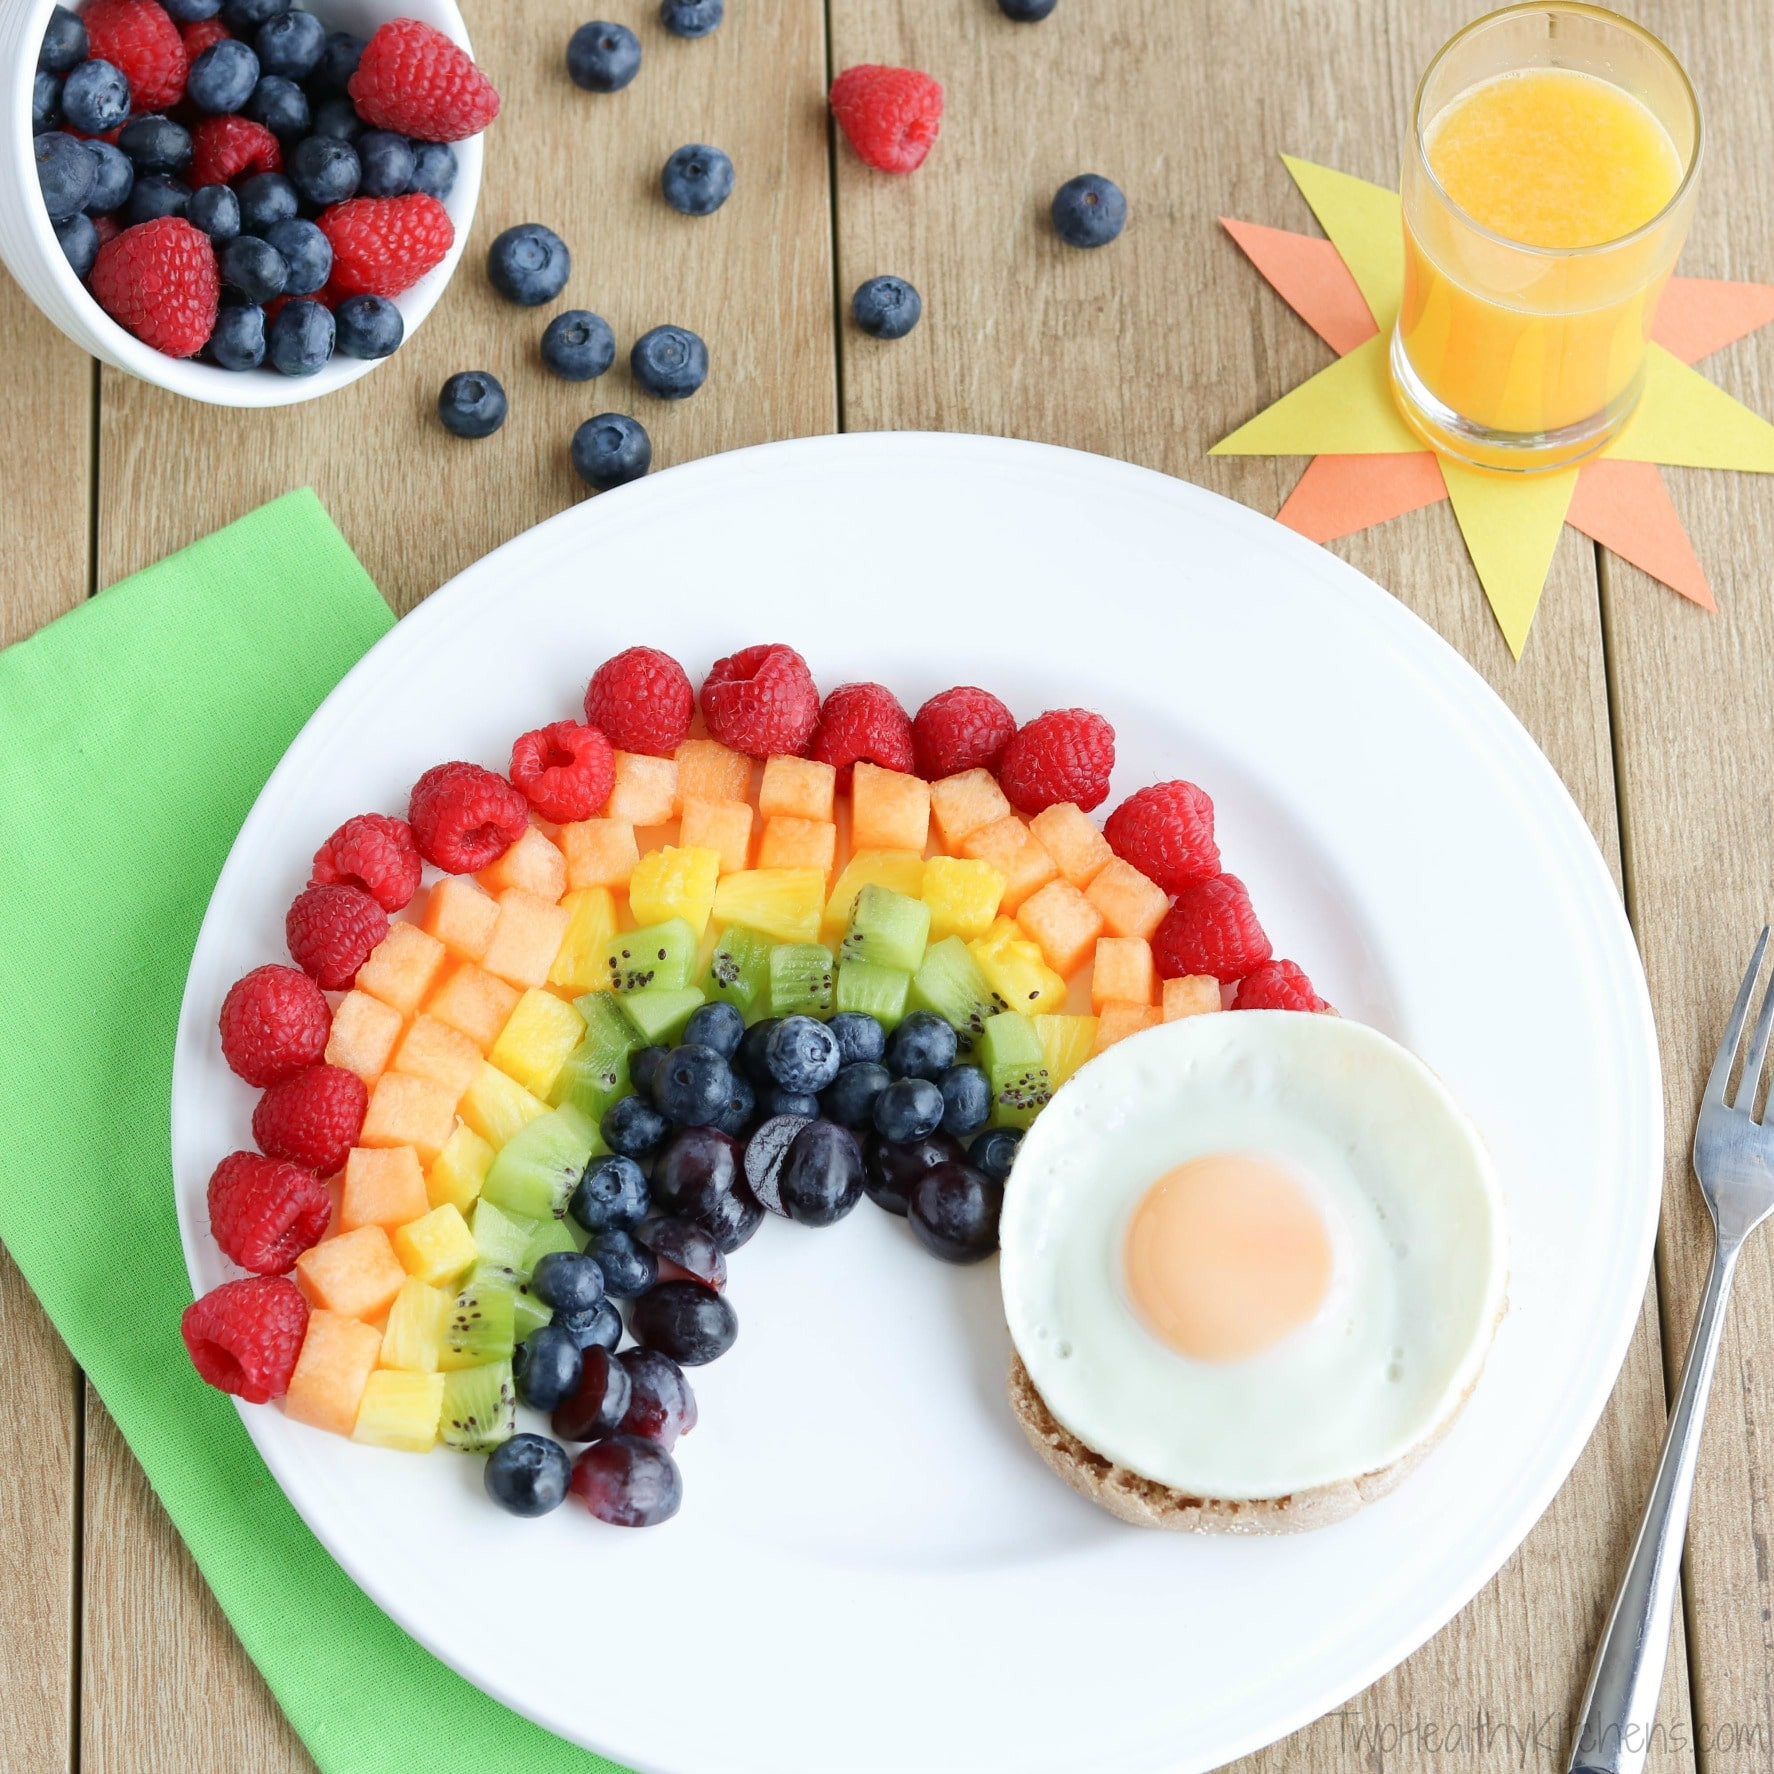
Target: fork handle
[1615,1723]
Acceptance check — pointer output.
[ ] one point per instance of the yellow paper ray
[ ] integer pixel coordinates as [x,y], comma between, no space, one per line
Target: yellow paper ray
[1365,224]
[1345,410]
[1685,421]
[1511,524]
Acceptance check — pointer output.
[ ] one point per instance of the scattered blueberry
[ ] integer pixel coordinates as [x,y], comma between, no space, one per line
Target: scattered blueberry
[685,1320]
[1089,210]
[628,1266]
[291,44]
[859,1036]
[95,97]
[387,161]
[692,1086]
[368,326]
[281,105]
[598,1403]
[114,179]
[156,144]
[923,1046]
[689,1245]
[238,343]
[567,1281]
[248,264]
[66,173]
[600,1328]
[46,102]
[337,117]
[697,180]
[324,170]
[994,1151]
[529,264]
[801,1054]
[890,1171]
[849,1099]
[221,78]
[339,57]
[579,346]
[301,338]
[472,404]
[1026,12]
[886,307]
[189,12]
[155,195]
[528,1475]
[603,57]
[718,1025]
[642,1064]
[64,42]
[629,1482]
[266,198]
[967,1100]
[434,169]
[777,1101]
[611,450]
[821,1177]
[953,1210]
[691,18]
[243,17]
[742,1107]
[546,1367]
[633,1126]
[306,251]
[611,1196]
[670,362]
[216,210]
[79,242]
[908,1109]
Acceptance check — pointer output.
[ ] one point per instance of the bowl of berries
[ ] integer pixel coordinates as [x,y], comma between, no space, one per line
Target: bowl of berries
[247,202]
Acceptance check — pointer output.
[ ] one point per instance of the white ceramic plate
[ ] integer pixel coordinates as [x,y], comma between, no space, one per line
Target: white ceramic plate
[871,1571]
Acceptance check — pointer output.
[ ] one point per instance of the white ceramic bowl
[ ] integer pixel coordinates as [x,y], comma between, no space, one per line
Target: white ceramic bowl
[34,256]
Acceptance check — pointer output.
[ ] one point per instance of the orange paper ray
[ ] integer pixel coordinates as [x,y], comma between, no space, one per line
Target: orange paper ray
[1627,509]
[1338,495]
[1697,315]
[1310,277]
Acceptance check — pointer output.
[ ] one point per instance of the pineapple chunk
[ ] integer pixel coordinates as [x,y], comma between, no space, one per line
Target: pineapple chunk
[600,852]
[646,790]
[1123,969]
[457,1172]
[1064,923]
[437,1247]
[461,915]
[721,826]
[405,1111]
[962,895]
[1009,846]
[888,809]
[1015,970]
[965,802]
[402,967]
[355,1274]
[798,788]
[708,771]
[793,843]
[1067,1042]
[1115,1022]
[363,1035]
[413,1336]
[383,1187]
[527,937]
[532,863]
[902,870]
[338,1356]
[675,883]
[578,963]
[432,1049]
[496,1106]
[783,903]
[1192,995]
[1131,904]
[1071,838]
[542,1031]
[472,1001]
[400,1411]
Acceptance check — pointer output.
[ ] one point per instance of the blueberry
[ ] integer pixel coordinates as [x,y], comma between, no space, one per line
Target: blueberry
[66,173]
[1089,210]
[741,1109]
[339,57]
[628,1266]
[266,199]
[886,307]
[306,251]
[216,210]
[238,342]
[253,266]
[777,1101]
[434,169]
[324,170]
[387,161]
[923,1046]
[281,105]
[46,102]
[472,404]
[291,44]
[670,362]
[529,264]
[753,1060]
[692,1086]
[368,326]
[337,117]
[567,1280]
[79,242]
[114,179]
[546,1367]
[849,1099]
[967,1100]
[603,57]
[691,18]
[155,195]
[890,1171]
[633,1127]
[718,1025]
[223,76]
[697,180]
[156,144]
[611,450]
[628,1482]
[95,97]
[908,1109]
[642,1064]
[189,12]
[301,338]
[689,1245]
[600,1328]
[243,17]
[685,1320]
[578,346]
[1026,12]
[994,1151]
[528,1475]
[953,1210]
[859,1037]
[64,42]
[821,1176]
[802,1054]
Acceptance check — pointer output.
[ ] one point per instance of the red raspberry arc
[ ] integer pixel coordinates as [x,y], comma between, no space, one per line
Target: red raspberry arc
[331,931]
[642,701]
[374,853]
[863,722]
[961,729]
[761,701]
[264,1212]
[465,818]
[1210,928]
[1067,754]
[274,1023]
[1166,832]
[312,1119]
[244,1336]
[565,771]
[1279,985]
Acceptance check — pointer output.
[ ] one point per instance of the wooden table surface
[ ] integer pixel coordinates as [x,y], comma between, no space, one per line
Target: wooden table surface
[114,1658]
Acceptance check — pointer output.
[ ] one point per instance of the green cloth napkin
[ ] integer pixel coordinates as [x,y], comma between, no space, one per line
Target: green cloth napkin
[134,735]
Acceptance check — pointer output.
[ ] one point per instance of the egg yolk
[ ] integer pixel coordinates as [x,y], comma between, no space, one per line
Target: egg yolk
[1225,1256]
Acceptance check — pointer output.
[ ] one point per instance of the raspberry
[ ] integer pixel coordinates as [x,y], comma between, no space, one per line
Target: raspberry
[465,817]
[1166,832]
[414,80]
[1278,985]
[374,853]
[274,1022]
[382,246]
[890,115]
[244,1336]
[863,721]
[264,1212]
[761,701]
[1066,754]
[960,729]
[642,701]
[312,1119]
[200,34]
[331,930]
[222,148]
[565,771]
[138,37]
[1210,929]
[159,281]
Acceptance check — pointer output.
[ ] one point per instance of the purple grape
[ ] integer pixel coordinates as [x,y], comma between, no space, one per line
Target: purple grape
[685,1320]
[628,1482]
[890,1170]
[689,1246]
[662,1407]
[821,1176]
[697,1165]
[599,1404]
[954,1212]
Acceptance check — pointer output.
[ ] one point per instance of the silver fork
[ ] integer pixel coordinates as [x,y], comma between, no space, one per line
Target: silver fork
[1734,1160]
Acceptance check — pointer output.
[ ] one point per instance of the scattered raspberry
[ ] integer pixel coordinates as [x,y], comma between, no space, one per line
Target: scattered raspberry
[265,1212]
[138,37]
[642,701]
[465,817]
[331,930]
[200,34]
[1066,754]
[1278,985]
[222,148]
[890,115]
[314,1118]
[382,246]
[244,1336]
[414,80]
[863,721]
[275,1022]
[1210,929]
[375,853]
[159,281]
[960,729]
[1166,832]
[565,771]
[761,701]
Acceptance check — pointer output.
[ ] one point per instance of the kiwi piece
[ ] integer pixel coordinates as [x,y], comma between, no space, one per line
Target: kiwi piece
[660,1012]
[887,928]
[527,1314]
[479,1323]
[595,1073]
[951,984]
[800,979]
[500,1236]
[658,955]
[550,1235]
[479,1408]
[1016,1064]
[874,990]
[541,1164]
[739,969]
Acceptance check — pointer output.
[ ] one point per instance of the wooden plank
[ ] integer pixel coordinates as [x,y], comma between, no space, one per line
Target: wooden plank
[1151,349]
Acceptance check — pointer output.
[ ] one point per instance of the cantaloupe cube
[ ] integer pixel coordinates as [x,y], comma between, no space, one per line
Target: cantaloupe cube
[963,803]
[496,1106]
[437,1247]
[406,1111]
[461,915]
[600,852]
[356,1274]
[1070,836]
[412,1339]
[470,999]
[458,1171]
[785,904]
[338,1356]
[578,963]
[963,896]
[533,863]
[1123,969]
[542,1031]
[383,1187]
[363,1035]
[721,826]
[402,967]
[1116,1021]
[1192,995]
[526,939]
[674,882]
[400,1411]
[888,809]
[902,870]
[708,771]
[790,842]
[1009,846]
[798,788]
[1131,904]
[646,790]
[432,1049]
[1064,923]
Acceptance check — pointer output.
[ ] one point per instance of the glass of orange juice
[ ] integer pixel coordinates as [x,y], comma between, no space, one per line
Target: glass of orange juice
[1547,188]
